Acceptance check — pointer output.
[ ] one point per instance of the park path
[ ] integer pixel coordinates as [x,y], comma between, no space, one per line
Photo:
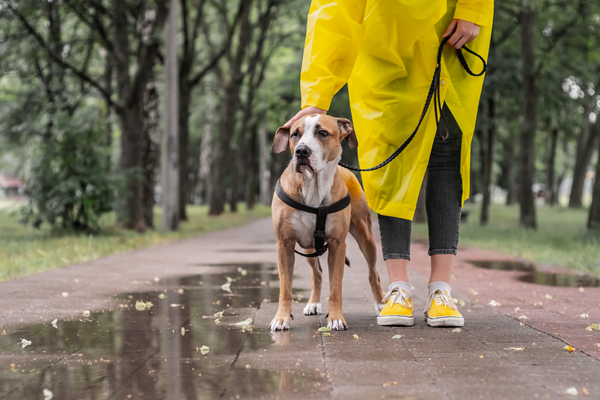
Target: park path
[104,348]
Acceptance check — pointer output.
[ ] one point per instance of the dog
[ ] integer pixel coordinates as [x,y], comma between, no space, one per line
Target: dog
[313,178]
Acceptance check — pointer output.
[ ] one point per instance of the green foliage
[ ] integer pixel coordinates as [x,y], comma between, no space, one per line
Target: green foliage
[70,186]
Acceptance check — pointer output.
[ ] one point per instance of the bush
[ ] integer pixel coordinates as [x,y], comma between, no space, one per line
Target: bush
[71,184]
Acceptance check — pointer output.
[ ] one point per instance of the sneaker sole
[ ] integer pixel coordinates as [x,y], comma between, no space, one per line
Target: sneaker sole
[395,320]
[446,321]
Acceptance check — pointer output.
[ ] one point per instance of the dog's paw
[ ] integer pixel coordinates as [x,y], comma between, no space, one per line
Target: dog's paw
[280,324]
[337,324]
[312,309]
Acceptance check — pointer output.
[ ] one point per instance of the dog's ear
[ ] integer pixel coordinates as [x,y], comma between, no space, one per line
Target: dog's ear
[281,141]
[347,131]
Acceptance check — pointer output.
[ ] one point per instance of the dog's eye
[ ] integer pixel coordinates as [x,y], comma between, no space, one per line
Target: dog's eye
[323,133]
[295,134]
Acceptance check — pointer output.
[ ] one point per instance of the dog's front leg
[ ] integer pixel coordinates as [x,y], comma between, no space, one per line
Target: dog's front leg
[336,258]
[285,258]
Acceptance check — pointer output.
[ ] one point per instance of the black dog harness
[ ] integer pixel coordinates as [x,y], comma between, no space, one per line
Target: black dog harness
[321,212]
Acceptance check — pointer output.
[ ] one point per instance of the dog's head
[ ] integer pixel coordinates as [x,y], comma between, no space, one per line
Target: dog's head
[314,140]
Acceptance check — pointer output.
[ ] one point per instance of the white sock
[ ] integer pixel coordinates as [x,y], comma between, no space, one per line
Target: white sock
[400,285]
[439,285]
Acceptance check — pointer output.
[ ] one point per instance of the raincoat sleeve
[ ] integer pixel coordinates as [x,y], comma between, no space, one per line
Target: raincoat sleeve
[475,11]
[333,37]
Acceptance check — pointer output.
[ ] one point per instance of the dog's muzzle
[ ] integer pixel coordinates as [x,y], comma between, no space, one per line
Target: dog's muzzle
[302,155]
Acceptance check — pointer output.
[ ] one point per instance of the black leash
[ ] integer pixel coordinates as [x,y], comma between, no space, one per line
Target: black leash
[434,92]
[321,212]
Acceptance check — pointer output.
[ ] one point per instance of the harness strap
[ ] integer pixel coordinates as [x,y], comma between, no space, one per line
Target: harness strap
[321,213]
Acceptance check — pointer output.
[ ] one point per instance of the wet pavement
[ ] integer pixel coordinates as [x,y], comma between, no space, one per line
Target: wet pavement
[200,294]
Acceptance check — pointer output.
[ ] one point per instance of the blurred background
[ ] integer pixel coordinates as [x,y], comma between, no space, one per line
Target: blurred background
[87,144]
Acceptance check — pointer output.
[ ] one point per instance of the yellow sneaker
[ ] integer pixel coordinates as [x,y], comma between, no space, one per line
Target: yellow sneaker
[398,309]
[441,310]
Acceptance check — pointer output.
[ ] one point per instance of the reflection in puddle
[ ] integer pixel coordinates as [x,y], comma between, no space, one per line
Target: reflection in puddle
[540,277]
[130,354]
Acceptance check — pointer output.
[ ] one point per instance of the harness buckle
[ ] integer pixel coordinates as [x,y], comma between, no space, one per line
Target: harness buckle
[319,235]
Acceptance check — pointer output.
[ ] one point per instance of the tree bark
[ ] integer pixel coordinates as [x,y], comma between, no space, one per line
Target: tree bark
[551,189]
[264,173]
[227,118]
[184,138]
[586,144]
[488,162]
[170,143]
[250,195]
[594,215]
[202,182]
[149,149]
[529,126]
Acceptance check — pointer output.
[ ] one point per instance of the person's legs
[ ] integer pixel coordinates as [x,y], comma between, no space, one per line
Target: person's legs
[395,242]
[443,205]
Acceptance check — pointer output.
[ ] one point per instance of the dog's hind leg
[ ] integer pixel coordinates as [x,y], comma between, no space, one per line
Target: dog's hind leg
[313,307]
[361,230]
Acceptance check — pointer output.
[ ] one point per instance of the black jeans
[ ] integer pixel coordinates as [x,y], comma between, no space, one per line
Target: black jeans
[443,199]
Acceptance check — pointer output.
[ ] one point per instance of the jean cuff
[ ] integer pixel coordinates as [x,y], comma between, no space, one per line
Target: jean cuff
[396,256]
[442,251]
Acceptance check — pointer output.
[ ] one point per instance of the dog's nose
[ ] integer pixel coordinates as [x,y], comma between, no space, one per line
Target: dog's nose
[303,151]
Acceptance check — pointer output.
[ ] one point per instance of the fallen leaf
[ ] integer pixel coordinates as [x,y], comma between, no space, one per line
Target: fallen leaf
[175,305]
[393,383]
[229,280]
[140,305]
[396,336]
[182,331]
[244,272]
[581,289]
[480,356]
[161,296]
[204,350]
[473,291]
[54,323]
[217,321]
[218,314]
[156,279]
[517,309]
[539,303]
[226,287]
[585,392]
[523,317]
[593,327]
[324,329]
[569,348]
[149,304]
[355,336]
[572,391]
[25,343]
[86,313]
[494,303]
[584,315]
[548,296]
[47,394]
[180,291]
[515,348]
[456,330]
[65,294]
[247,321]
[522,323]
[326,334]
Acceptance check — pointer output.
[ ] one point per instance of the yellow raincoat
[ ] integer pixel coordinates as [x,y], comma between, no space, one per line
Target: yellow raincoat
[386,51]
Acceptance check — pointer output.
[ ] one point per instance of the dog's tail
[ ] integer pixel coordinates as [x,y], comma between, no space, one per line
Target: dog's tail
[347,262]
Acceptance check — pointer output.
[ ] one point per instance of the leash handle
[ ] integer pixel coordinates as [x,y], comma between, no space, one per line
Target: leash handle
[434,92]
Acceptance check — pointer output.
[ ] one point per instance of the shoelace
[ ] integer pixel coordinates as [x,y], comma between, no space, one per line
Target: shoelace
[440,297]
[399,296]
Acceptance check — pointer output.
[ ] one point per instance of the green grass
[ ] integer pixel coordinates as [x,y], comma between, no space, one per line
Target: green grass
[25,250]
[561,238]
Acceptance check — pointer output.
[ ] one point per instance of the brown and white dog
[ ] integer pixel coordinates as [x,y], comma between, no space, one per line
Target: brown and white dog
[314,178]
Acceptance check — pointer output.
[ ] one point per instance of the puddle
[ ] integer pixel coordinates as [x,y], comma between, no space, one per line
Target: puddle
[540,277]
[129,354]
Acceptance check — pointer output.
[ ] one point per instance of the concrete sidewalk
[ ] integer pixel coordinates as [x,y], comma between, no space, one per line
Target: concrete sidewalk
[105,348]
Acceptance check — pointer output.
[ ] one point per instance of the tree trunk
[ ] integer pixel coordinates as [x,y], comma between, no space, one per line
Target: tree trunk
[594,215]
[586,143]
[551,189]
[264,173]
[184,139]
[528,127]
[170,143]
[149,149]
[488,162]
[205,149]
[250,194]
[227,121]
[236,173]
